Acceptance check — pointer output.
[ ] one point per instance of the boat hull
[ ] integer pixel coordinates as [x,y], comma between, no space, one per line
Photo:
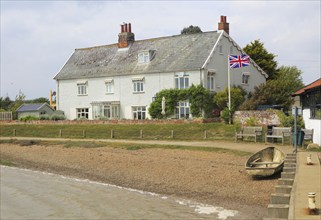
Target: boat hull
[266,162]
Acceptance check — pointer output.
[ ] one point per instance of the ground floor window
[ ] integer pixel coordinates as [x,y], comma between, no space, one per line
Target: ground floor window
[105,110]
[139,112]
[82,113]
[183,109]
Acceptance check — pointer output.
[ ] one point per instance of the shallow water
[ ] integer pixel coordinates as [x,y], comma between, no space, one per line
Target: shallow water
[27,194]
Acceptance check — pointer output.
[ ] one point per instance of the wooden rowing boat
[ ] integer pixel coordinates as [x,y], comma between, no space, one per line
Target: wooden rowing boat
[266,162]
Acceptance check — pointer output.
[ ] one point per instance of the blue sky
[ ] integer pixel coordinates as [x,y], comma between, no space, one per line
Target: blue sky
[38,37]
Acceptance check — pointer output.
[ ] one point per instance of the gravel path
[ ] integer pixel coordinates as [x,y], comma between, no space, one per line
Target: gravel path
[209,177]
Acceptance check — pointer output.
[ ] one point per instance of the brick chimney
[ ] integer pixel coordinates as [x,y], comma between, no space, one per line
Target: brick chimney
[125,37]
[223,25]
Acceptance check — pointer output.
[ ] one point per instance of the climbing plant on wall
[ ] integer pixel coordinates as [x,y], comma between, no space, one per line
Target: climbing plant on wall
[199,97]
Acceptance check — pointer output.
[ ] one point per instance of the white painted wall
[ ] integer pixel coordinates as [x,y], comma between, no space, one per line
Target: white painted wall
[68,99]
[313,124]
[219,63]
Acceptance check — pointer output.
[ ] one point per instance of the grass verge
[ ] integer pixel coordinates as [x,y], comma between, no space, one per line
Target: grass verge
[4,162]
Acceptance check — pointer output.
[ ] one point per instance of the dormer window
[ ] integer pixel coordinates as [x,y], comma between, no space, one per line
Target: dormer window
[143,57]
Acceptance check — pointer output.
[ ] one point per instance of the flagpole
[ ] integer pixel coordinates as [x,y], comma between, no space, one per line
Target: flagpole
[229,89]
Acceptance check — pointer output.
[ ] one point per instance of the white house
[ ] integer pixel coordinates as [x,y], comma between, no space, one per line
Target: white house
[310,101]
[119,81]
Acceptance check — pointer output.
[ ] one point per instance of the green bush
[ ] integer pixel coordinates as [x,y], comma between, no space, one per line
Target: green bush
[200,99]
[56,117]
[288,121]
[252,121]
[29,118]
[225,115]
[44,117]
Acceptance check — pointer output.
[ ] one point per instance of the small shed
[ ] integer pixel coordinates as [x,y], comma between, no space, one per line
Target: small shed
[35,110]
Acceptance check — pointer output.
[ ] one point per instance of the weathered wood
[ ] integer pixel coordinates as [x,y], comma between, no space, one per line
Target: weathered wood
[271,157]
[279,133]
[249,132]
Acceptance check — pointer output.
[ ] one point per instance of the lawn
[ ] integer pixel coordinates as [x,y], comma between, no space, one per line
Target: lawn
[188,131]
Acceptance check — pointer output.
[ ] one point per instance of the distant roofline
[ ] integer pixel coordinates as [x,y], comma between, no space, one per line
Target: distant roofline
[307,87]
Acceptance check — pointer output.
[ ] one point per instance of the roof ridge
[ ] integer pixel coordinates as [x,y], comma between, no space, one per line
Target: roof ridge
[148,39]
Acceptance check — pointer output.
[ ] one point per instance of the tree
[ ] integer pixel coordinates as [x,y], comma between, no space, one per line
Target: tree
[191,30]
[5,103]
[237,98]
[20,98]
[262,57]
[221,100]
[38,100]
[291,77]
[278,91]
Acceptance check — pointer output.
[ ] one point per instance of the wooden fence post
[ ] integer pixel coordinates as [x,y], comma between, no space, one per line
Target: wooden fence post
[141,134]
[84,133]
[172,133]
[14,132]
[111,134]
[205,134]
[60,133]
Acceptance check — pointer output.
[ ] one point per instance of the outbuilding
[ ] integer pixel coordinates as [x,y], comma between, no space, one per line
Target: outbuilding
[35,110]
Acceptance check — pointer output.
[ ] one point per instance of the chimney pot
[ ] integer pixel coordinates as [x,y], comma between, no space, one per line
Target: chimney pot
[129,27]
[126,37]
[121,28]
[223,25]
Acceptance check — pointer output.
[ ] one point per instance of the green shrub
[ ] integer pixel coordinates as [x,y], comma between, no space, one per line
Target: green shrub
[252,121]
[288,121]
[29,118]
[44,117]
[225,115]
[56,117]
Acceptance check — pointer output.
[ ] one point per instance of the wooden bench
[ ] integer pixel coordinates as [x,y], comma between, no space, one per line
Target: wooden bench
[279,133]
[248,132]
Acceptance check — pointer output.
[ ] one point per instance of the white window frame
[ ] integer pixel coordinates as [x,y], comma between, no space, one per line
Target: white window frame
[82,89]
[144,57]
[138,86]
[245,78]
[211,81]
[139,112]
[105,111]
[109,84]
[82,113]
[183,109]
[181,81]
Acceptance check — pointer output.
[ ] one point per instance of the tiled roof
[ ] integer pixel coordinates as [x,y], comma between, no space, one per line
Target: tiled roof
[30,107]
[313,85]
[171,54]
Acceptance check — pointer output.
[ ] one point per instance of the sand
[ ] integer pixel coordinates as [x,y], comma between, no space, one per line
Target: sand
[208,177]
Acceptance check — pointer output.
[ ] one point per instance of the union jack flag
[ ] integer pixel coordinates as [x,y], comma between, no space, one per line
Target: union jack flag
[237,61]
